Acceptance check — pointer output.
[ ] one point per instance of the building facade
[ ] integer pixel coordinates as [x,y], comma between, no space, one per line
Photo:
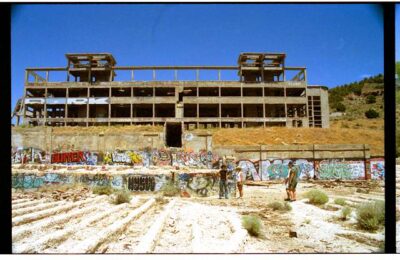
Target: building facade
[260,91]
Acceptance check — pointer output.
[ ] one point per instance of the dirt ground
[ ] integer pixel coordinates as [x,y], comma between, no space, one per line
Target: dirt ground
[77,221]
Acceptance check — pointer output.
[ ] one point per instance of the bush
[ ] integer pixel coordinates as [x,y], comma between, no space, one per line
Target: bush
[317,197]
[121,197]
[371,99]
[340,107]
[371,113]
[371,215]
[252,224]
[170,190]
[340,201]
[280,206]
[346,211]
[102,190]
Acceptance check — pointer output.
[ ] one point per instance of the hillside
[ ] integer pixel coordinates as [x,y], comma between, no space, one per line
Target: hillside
[354,99]
[283,135]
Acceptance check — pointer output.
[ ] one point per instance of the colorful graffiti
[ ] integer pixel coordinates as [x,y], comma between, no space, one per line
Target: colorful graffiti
[161,157]
[201,159]
[203,184]
[339,169]
[275,169]
[71,157]
[147,157]
[28,155]
[30,181]
[377,168]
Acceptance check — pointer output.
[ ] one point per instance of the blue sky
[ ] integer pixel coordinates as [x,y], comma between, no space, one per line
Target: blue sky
[397,32]
[338,43]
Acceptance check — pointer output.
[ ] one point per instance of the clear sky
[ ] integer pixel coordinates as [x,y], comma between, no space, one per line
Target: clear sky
[397,32]
[338,43]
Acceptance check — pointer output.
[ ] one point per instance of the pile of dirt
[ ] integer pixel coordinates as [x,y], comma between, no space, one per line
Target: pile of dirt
[289,136]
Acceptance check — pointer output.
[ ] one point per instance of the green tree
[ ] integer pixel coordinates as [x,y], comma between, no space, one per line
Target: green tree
[340,107]
[371,99]
[371,113]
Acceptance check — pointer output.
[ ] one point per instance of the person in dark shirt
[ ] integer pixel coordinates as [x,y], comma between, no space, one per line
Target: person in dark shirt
[292,181]
[223,178]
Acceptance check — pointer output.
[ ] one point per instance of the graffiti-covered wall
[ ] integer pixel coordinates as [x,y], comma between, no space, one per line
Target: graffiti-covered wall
[195,183]
[203,184]
[377,168]
[273,169]
[28,155]
[340,169]
[145,157]
[324,169]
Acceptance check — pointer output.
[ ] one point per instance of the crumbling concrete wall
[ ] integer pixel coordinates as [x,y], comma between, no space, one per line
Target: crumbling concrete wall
[45,139]
[197,184]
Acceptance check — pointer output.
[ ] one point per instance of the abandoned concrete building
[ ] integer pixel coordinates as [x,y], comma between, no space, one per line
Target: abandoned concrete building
[260,91]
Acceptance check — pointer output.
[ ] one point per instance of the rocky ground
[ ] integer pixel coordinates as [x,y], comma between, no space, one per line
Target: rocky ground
[77,221]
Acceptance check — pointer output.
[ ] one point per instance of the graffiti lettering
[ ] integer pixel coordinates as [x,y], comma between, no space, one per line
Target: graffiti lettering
[141,183]
[336,169]
[274,169]
[67,157]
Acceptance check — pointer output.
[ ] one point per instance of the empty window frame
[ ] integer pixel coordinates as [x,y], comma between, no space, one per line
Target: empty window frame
[164,92]
[296,110]
[142,110]
[253,110]
[99,92]
[230,92]
[121,110]
[295,92]
[55,111]
[78,92]
[98,111]
[274,92]
[208,110]
[35,92]
[252,92]
[76,111]
[231,110]
[121,92]
[275,110]
[56,92]
[143,92]
[209,92]
[190,110]
[165,110]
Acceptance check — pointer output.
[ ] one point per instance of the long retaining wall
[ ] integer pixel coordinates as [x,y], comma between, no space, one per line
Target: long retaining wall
[53,140]
[198,183]
[259,163]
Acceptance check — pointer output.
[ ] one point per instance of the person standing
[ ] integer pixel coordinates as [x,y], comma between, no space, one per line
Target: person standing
[223,185]
[292,181]
[238,177]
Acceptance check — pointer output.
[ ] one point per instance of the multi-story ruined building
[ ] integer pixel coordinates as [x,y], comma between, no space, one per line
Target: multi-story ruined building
[92,90]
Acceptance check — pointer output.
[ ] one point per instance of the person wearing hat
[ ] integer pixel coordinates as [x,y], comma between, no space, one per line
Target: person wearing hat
[238,177]
[223,179]
[291,182]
